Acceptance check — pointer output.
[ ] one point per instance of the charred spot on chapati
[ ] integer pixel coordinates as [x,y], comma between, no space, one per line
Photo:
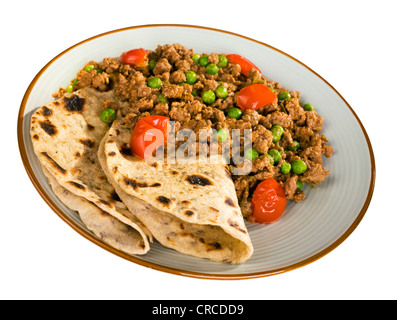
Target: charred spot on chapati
[163,200]
[115,196]
[74,103]
[111,154]
[77,155]
[54,163]
[235,225]
[230,202]
[88,142]
[154,164]
[189,213]
[90,127]
[48,127]
[106,203]
[199,180]
[214,209]
[228,174]
[125,150]
[130,182]
[36,137]
[136,184]
[77,185]
[214,246]
[46,112]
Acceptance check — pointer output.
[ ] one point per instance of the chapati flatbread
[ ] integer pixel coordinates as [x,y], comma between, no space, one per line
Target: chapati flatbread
[189,207]
[66,134]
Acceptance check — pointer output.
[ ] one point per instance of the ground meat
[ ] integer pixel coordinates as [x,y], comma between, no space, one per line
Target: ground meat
[243,184]
[296,112]
[290,186]
[303,133]
[183,104]
[178,76]
[109,65]
[252,117]
[328,150]
[162,66]
[161,109]
[210,84]
[314,121]
[315,175]
[182,65]
[280,118]
[108,104]
[179,114]
[262,139]
[172,91]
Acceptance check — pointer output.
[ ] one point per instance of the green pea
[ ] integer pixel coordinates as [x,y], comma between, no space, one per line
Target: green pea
[212,68]
[108,115]
[162,98]
[194,93]
[89,67]
[285,167]
[222,135]
[271,89]
[221,92]
[277,132]
[284,95]
[222,61]
[154,82]
[69,88]
[308,107]
[196,57]
[203,61]
[152,64]
[299,166]
[294,147]
[208,97]
[99,70]
[275,154]
[191,77]
[299,185]
[251,154]
[271,159]
[235,113]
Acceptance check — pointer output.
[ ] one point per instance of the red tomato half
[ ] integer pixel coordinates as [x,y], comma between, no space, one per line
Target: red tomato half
[134,57]
[145,130]
[255,96]
[244,63]
[269,202]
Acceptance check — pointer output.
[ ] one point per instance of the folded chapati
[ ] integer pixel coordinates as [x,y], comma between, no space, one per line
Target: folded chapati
[106,227]
[189,207]
[66,134]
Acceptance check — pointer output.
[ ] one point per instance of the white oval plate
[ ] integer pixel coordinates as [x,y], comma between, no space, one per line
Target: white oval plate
[307,230]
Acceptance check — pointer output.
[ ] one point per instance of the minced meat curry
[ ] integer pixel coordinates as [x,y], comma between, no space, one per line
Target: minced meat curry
[221,92]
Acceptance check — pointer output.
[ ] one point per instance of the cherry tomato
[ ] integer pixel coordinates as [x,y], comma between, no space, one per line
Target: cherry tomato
[134,57]
[269,202]
[145,130]
[255,96]
[244,63]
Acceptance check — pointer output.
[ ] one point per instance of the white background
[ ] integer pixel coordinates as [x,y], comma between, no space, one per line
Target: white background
[351,44]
